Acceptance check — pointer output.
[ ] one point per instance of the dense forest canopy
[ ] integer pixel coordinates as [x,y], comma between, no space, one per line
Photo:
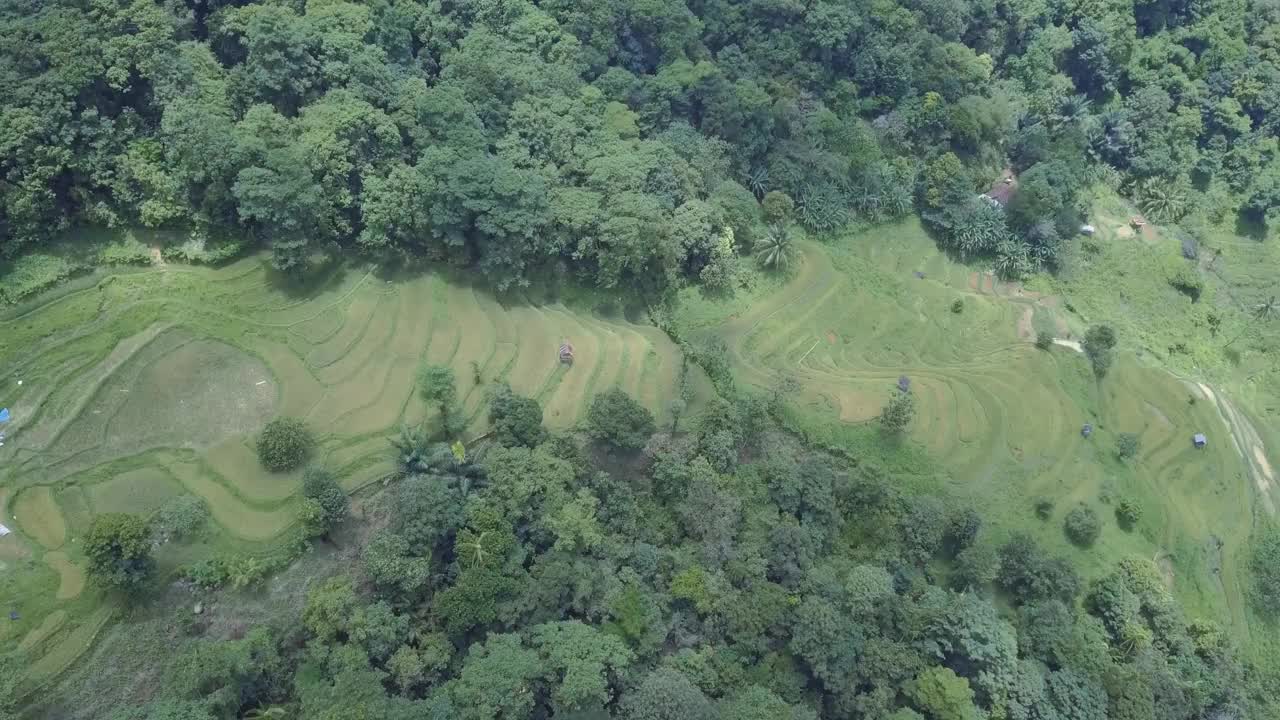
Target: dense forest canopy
[725,572]
[628,140]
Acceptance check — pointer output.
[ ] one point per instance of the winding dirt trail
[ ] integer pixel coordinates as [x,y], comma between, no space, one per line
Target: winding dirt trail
[1248,444]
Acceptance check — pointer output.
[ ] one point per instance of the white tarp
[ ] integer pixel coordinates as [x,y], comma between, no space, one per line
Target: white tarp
[4,531]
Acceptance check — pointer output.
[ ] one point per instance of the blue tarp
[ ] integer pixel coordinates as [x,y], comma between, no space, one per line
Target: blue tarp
[4,415]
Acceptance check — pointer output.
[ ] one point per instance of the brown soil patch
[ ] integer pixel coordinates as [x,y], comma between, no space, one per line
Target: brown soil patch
[988,283]
[1025,329]
[1124,231]
[974,281]
[857,406]
[831,338]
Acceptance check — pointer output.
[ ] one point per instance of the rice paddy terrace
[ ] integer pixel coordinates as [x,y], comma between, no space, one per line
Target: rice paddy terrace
[1003,417]
[150,385]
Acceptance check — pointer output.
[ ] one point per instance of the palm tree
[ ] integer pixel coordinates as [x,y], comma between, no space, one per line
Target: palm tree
[1261,313]
[1264,311]
[412,451]
[1161,199]
[471,545]
[1073,108]
[758,181]
[777,249]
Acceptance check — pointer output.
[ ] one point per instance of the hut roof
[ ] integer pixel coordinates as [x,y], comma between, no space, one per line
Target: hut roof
[1001,192]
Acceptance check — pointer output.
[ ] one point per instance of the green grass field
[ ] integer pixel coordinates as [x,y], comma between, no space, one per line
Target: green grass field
[1001,420]
[149,385]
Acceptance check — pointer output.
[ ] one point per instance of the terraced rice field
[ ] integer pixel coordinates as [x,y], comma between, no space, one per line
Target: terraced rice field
[1002,417]
[151,385]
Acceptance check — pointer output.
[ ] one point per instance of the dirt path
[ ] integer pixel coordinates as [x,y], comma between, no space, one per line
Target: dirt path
[1249,445]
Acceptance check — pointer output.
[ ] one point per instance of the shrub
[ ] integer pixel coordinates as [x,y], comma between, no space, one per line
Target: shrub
[284,444]
[118,547]
[1044,508]
[957,307]
[31,274]
[180,517]
[1127,445]
[129,251]
[208,574]
[1082,526]
[1044,340]
[202,251]
[619,420]
[1128,513]
[1187,282]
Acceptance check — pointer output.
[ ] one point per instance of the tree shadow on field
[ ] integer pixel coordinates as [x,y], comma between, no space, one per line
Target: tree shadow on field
[299,285]
[1249,224]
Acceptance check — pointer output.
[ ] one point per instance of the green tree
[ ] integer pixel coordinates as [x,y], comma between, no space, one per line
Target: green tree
[1265,566]
[118,548]
[321,487]
[396,572]
[1098,343]
[1029,574]
[1082,526]
[666,694]
[615,418]
[284,444]
[515,419]
[942,695]
[758,703]
[898,413]
[436,385]
[976,567]
[580,660]
[777,207]
[499,680]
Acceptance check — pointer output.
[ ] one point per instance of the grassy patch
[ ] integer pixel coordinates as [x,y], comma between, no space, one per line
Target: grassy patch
[39,517]
[998,421]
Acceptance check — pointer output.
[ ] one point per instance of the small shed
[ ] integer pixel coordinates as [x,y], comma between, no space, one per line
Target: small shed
[1199,440]
[904,383]
[1087,430]
[3,530]
[566,353]
[1088,229]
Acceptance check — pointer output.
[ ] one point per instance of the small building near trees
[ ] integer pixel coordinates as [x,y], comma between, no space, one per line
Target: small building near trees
[1199,440]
